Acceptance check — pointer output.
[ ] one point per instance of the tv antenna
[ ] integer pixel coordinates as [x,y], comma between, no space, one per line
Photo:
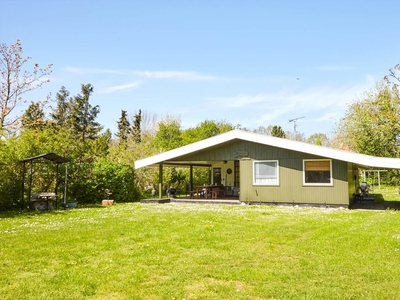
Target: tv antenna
[294,122]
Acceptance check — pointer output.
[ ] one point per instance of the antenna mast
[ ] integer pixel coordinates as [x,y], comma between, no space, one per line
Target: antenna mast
[294,122]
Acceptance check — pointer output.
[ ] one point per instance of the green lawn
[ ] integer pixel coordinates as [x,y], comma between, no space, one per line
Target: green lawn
[178,251]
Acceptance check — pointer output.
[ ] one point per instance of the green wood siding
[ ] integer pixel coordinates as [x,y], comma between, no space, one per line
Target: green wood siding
[291,188]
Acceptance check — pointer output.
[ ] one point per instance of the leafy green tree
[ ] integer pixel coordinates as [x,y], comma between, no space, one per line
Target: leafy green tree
[34,117]
[169,134]
[371,125]
[319,139]
[16,80]
[277,131]
[123,129]
[204,130]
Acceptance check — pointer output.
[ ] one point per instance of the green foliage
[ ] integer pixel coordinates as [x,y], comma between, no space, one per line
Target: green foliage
[319,139]
[124,129]
[82,118]
[204,130]
[34,116]
[277,131]
[372,124]
[10,178]
[136,128]
[60,114]
[105,174]
[169,134]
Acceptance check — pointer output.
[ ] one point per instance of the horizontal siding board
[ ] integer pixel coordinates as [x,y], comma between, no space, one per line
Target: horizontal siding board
[290,189]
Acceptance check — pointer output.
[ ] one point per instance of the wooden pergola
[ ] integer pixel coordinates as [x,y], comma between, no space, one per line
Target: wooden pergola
[48,156]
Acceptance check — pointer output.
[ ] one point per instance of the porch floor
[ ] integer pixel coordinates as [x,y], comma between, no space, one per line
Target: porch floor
[187,199]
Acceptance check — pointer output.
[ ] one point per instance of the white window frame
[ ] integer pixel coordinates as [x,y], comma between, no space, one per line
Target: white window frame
[256,182]
[316,183]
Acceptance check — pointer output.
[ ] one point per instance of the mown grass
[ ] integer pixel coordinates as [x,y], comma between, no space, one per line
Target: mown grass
[170,251]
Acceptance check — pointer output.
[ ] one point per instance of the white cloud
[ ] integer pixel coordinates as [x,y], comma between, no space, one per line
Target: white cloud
[319,104]
[116,88]
[181,75]
[174,75]
[333,68]
[238,101]
[82,71]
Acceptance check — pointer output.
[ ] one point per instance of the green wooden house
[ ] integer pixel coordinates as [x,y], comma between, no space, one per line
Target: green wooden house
[267,169]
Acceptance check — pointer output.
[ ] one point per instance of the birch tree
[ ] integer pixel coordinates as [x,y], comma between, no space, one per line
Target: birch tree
[18,77]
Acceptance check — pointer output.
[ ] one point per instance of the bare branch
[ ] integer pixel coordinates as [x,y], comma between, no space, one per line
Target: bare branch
[16,80]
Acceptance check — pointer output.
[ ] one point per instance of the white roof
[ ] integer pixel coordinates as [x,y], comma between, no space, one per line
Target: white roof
[326,152]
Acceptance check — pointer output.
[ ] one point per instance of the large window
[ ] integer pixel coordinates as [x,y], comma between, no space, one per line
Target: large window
[318,172]
[266,172]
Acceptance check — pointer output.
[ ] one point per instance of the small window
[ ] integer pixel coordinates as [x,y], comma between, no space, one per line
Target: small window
[318,172]
[266,172]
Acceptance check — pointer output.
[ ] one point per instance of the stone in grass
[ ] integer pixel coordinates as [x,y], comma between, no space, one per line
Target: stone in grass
[107,202]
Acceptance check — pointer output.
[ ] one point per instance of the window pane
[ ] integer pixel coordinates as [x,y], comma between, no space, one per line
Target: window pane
[323,165]
[317,171]
[266,172]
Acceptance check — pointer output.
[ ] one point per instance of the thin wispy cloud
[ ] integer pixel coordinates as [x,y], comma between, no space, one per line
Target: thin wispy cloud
[180,75]
[238,101]
[174,75]
[123,87]
[333,68]
[326,103]
[83,71]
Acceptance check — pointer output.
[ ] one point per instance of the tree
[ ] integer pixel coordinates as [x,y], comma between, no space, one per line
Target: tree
[372,125]
[277,131]
[64,105]
[295,136]
[319,139]
[136,128]
[169,134]
[123,129]
[204,130]
[393,79]
[16,81]
[34,116]
[264,130]
[82,118]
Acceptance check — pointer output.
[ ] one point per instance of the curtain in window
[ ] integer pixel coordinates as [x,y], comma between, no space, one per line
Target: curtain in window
[266,172]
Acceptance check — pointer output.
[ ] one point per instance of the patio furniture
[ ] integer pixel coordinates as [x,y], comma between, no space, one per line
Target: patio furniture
[171,192]
[364,190]
[43,200]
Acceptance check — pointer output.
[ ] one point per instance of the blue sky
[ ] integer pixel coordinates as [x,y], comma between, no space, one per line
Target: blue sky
[254,63]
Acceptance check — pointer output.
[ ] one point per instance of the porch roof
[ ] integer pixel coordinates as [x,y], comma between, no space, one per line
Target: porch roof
[171,156]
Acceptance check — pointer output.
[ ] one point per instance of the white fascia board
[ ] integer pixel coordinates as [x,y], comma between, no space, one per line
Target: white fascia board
[197,146]
[360,159]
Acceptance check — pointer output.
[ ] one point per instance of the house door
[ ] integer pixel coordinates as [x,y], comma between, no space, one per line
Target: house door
[217,178]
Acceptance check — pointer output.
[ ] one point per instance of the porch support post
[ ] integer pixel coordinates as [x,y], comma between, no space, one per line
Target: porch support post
[379,179]
[56,189]
[66,183]
[160,173]
[23,186]
[191,178]
[30,183]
